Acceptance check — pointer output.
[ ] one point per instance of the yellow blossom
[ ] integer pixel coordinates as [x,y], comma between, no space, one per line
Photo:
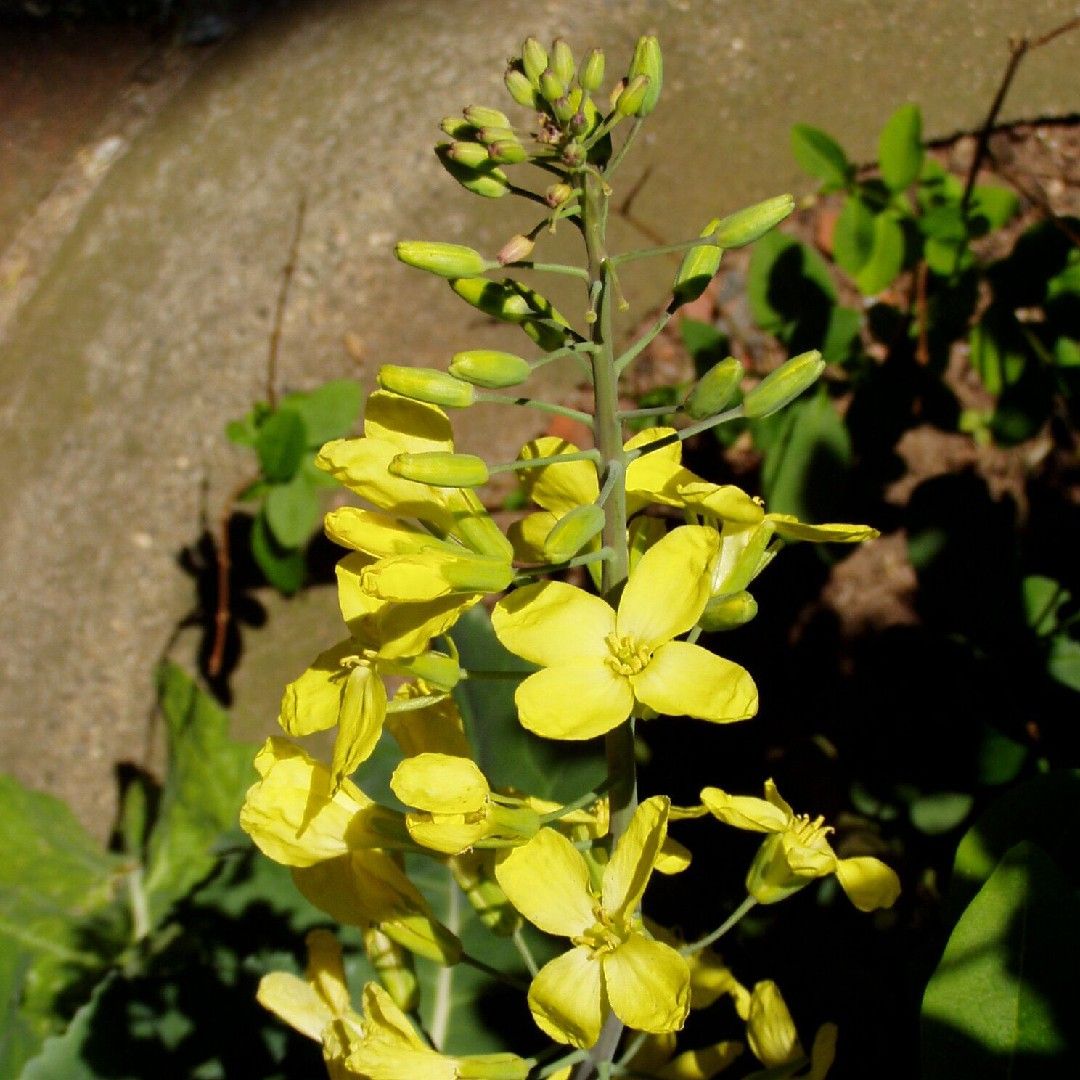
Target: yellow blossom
[597,663]
[797,851]
[613,964]
[774,1041]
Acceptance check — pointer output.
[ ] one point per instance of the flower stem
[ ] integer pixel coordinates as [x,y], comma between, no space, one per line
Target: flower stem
[533,403]
[720,931]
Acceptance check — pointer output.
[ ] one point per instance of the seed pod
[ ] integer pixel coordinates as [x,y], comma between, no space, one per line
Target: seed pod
[747,225]
[728,612]
[562,61]
[521,89]
[440,469]
[783,385]
[714,389]
[551,86]
[516,249]
[490,368]
[394,966]
[445,260]
[508,152]
[481,116]
[647,61]
[698,268]
[591,74]
[632,98]
[534,61]
[426,384]
[572,532]
[485,180]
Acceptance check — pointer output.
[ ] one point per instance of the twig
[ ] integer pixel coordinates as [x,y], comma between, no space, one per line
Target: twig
[279,311]
[922,348]
[222,614]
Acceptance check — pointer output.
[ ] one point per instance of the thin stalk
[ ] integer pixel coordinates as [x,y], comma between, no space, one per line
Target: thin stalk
[581,801]
[541,462]
[654,410]
[551,268]
[533,403]
[484,673]
[642,343]
[535,572]
[619,154]
[686,433]
[721,930]
[525,952]
[663,249]
[495,973]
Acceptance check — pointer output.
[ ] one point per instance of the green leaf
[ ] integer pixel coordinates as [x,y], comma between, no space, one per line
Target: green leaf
[281,444]
[790,291]
[998,351]
[937,187]
[1000,758]
[64,1057]
[1043,600]
[820,155]
[992,207]
[886,259]
[284,568]
[940,812]
[900,149]
[991,1008]
[841,339]
[853,240]
[328,412]
[1064,662]
[204,786]
[292,511]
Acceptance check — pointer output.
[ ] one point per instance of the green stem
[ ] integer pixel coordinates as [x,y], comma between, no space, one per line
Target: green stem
[582,800]
[525,952]
[533,403]
[541,462]
[551,268]
[534,573]
[665,249]
[686,433]
[642,343]
[495,973]
[655,410]
[490,673]
[721,930]
[619,154]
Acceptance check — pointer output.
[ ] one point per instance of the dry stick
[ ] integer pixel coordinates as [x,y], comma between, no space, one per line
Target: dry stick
[279,312]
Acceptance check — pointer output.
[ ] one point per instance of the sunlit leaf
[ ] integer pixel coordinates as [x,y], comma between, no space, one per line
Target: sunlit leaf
[292,511]
[820,155]
[280,445]
[900,149]
[328,412]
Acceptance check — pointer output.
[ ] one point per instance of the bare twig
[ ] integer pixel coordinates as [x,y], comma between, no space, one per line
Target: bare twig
[279,311]
[223,613]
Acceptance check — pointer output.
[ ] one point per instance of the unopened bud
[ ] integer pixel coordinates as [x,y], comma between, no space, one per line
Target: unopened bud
[481,116]
[440,469]
[728,612]
[478,574]
[578,123]
[573,154]
[435,668]
[564,110]
[782,386]
[562,61]
[534,60]
[698,268]
[632,99]
[394,966]
[475,526]
[426,384]
[520,88]
[508,152]
[557,194]
[591,74]
[472,155]
[494,134]
[745,226]
[714,389]
[445,260]
[649,62]
[551,86]
[511,301]
[516,249]
[490,368]
[572,532]
[485,180]
[456,128]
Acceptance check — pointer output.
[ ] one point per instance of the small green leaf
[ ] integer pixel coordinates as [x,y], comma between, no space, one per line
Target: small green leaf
[284,568]
[328,412]
[992,207]
[886,258]
[998,352]
[941,811]
[853,240]
[1064,662]
[64,1057]
[292,511]
[820,155]
[841,334]
[900,149]
[790,291]
[281,444]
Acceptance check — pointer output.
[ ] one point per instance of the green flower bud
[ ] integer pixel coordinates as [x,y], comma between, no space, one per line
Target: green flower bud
[472,155]
[632,98]
[783,385]
[473,872]
[564,110]
[490,368]
[578,124]
[714,389]
[573,153]
[457,128]
[591,74]
[562,61]
[551,86]
[440,469]
[485,180]
[508,152]
[476,527]
[572,532]
[557,194]
[511,301]
[745,226]
[534,60]
[445,260]
[433,667]
[426,384]
[698,268]
[516,249]
[492,134]
[521,89]
[480,116]
[728,612]
[394,966]
[647,61]
[477,574]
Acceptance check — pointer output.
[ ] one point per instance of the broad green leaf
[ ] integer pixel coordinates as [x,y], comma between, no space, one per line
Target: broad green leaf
[941,811]
[292,511]
[820,155]
[938,187]
[998,351]
[1000,758]
[992,207]
[205,783]
[328,412]
[1064,661]
[886,259]
[853,240]
[1067,353]
[900,149]
[281,444]
[997,1004]
[841,334]
[284,568]
[241,432]
[64,1056]
[790,291]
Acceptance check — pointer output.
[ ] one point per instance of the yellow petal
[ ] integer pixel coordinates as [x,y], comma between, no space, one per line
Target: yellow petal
[547,880]
[574,700]
[567,999]
[702,1064]
[744,811]
[326,970]
[363,709]
[773,795]
[552,622]
[791,528]
[648,985]
[674,857]
[296,1002]
[378,534]
[441,784]
[449,834]
[312,702]
[631,864]
[655,477]
[527,536]
[686,680]
[770,1031]
[386,1019]
[436,728]
[724,501]
[869,883]
[676,569]
[562,486]
[823,1052]
[412,426]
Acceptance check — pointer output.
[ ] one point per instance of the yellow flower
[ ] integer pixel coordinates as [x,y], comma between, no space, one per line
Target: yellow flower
[596,663]
[774,1041]
[613,964]
[797,851]
[657,1059]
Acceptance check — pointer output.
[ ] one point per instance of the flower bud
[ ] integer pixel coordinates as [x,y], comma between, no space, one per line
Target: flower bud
[698,268]
[564,110]
[572,532]
[445,260]
[472,155]
[573,154]
[517,249]
[456,128]
[649,62]
[714,389]
[774,875]
[557,194]
[480,116]
[578,124]
[478,574]
[551,86]
[562,61]
[426,384]
[493,134]
[783,385]
[534,60]
[632,98]
[511,301]
[440,469]
[747,225]
[435,668]
[394,966]
[591,74]
[490,368]
[508,152]
[728,612]
[520,88]
[485,180]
